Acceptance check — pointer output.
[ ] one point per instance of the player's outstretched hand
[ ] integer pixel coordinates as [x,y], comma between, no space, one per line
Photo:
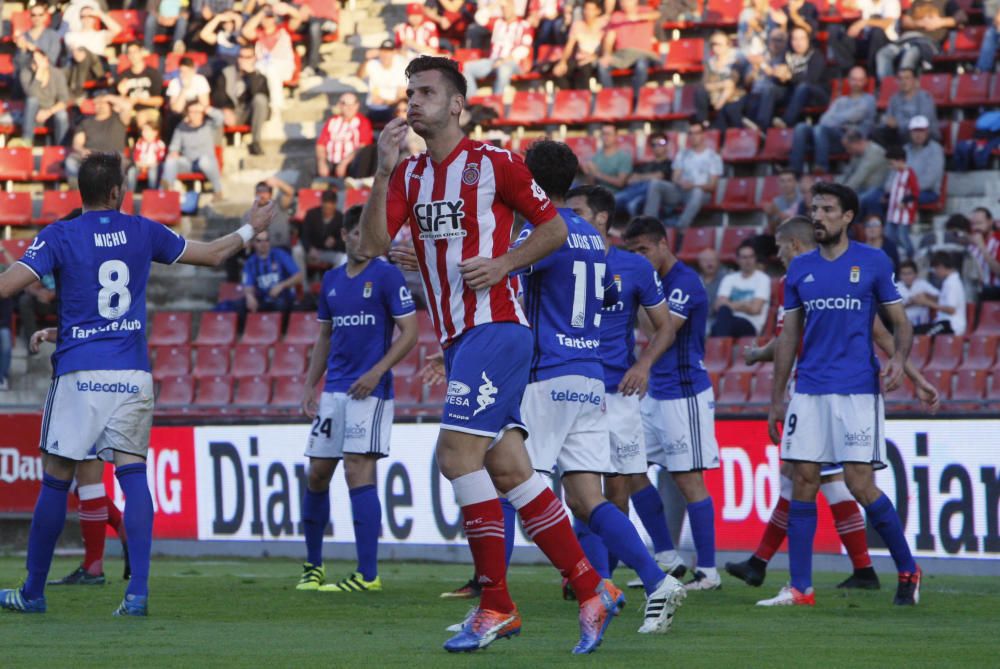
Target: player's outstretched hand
[750,354]
[405,256]
[776,421]
[481,273]
[262,215]
[927,394]
[433,372]
[390,145]
[310,407]
[364,386]
[635,381]
[892,374]
[45,334]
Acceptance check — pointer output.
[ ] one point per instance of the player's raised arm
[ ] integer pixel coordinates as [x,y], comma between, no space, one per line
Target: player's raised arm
[375,237]
[784,358]
[216,252]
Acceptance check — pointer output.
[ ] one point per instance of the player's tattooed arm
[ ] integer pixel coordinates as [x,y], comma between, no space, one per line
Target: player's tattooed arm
[401,345]
[926,391]
[662,326]
[481,273]
[902,339]
[317,365]
[375,239]
[784,357]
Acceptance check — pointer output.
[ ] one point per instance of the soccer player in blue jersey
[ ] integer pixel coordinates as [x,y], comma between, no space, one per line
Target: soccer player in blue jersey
[102,390]
[360,304]
[626,378]
[678,412]
[836,414]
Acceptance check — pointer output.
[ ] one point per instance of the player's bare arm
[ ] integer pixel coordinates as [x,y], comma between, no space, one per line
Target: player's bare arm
[39,336]
[401,345]
[902,339]
[662,326]
[481,273]
[375,239]
[215,252]
[784,357]
[926,392]
[16,278]
[404,256]
[317,365]
[754,354]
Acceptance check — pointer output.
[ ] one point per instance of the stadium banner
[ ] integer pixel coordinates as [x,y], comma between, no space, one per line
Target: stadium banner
[20,462]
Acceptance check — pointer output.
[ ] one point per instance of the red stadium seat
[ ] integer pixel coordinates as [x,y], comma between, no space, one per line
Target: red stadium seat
[15,208]
[636,34]
[216,329]
[175,392]
[229,290]
[171,328]
[777,145]
[492,101]
[940,379]
[762,386]
[735,388]
[973,90]
[738,362]
[995,90]
[718,351]
[16,164]
[302,328]
[613,105]
[722,13]
[262,328]
[288,359]
[356,196]
[901,398]
[982,352]
[527,108]
[152,60]
[740,195]
[584,146]
[253,391]
[685,55]
[920,351]
[888,87]
[132,23]
[655,104]
[434,397]
[56,204]
[713,138]
[409,389]
[965,45]
[685,102]
[308,198]
[939,86]
[989,319]
[162,206]
[20,22]
[695,240]
[287,392]
[172,361]
[426,335]
[947,353]
[249,360]
[970,389]
[214,391]
[410,364]
[128,203]
[211,361]
[769,189]
[571,107]
[173,61]
[732,237]
[740,146]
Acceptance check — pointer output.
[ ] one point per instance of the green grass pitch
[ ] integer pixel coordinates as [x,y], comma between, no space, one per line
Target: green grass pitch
[246,613]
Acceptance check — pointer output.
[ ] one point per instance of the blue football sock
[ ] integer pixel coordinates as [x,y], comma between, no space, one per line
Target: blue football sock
[607,521]
[138,517]
[883,518]
[367,512]
[315,517]
[649,506]
[46,526]
[593,547]
[509,528]
[613,563]
[801,532]
[702,517]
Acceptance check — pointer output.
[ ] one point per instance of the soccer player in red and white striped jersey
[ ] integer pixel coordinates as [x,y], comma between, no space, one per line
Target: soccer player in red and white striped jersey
[459,199]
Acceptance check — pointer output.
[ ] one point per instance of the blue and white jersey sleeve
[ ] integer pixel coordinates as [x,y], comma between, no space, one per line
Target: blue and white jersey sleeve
[886,291]
[250,271]
[681,291]
[538,266]
[323,314]
[287,262]
[650,288]
[396,295]
[43,254]
[792,299]
[167,245]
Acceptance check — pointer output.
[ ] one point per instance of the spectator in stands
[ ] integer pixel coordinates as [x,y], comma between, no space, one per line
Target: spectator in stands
[47,99]
[269,279]
[224,31]
[863,38]
[550,22]
[510,47]
[273,47]
[143,86]
[803,80]
[84,68]
[902,193]
[281,227]
[90,35]
[876,238]
[950,303]
[926,157]
[241,92]
[910,286]
[697,169]
[38,37]
[740,307]
[322,18]
[752,30]
[612,165]
[148,156]
[321,240]
[452,17]
[104,132]
[385,78]
[787,202]
[925,25]
[984,247]
[343,136]
[909,102]
[988,48]
[678,11]
[477,35]
[712,272]
[866,171]
[583,48]
[166,15]
[632,23]
[192,148]
[856,110]
[419,35]
[645,188]
[187,87]
[796,14]
[722,85]
[760,76]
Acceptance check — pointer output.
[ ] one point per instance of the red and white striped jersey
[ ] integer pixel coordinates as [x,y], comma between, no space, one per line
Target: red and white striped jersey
[903,210]
[511,40]
[340,137]
[424,35]
[989,278]
[461,208]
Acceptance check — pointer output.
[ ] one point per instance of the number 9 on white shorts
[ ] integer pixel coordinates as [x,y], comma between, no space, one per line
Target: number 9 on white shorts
[345,425]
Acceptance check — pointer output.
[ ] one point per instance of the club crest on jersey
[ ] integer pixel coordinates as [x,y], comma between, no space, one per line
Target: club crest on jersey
[855,274]
[440,219]
[470,175]
[618,282]
[367,292]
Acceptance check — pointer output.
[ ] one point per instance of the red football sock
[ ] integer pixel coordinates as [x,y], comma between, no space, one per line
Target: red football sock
[851,528]
[774,534]
[483,524]
[93,516]
[115,518]
[546,523]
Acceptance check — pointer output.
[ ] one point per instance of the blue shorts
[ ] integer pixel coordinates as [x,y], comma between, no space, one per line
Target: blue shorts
[487,372]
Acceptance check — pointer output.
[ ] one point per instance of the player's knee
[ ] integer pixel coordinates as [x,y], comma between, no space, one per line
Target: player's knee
[359,470]
[862,487]
[806,483]
[692,486]
[320,475]
[60,468]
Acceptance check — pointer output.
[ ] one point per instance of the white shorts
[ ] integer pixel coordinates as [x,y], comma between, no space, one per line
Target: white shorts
[568,424]
[832,429]
[345,425]
[680,434]
[628,444]
[98,412]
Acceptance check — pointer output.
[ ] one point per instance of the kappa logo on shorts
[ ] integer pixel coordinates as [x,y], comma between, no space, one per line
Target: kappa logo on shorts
[678,447]
[487,395]
[356,431]
[859,439]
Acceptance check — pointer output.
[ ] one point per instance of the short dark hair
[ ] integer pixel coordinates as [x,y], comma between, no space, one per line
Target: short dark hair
[186,61]
[641,226]
[958,222]
[329,195]
[895,152]
[986,212]
[262,185]
[854,135]
[99,173]
[748,244]
[446,66]
[908,264]
[942,259]
[599,199]
[787,170]
[352,217]
[554,166]
[911,70]
[799,228]
[846,197]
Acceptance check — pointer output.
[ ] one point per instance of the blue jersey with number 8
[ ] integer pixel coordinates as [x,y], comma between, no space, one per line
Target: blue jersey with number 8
[101,262]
